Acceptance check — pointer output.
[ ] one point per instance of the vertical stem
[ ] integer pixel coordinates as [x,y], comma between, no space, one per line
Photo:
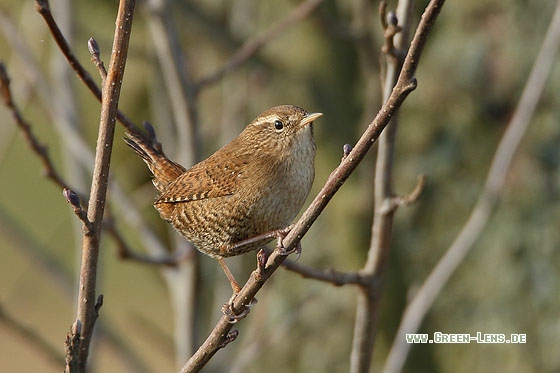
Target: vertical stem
[367,311]
[87,305]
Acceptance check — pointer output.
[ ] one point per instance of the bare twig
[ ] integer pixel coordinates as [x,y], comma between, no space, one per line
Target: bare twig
[73,199]
[252,46]
[432,287]
[332,276]
[44,9]
[95,52]
[88,306]
[392,203]
[413,196]
[339,278]
[58,100]
[391,28]
[406,83]
[35,145]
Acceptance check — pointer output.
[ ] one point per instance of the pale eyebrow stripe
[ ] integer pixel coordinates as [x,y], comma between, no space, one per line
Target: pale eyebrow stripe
[268,118]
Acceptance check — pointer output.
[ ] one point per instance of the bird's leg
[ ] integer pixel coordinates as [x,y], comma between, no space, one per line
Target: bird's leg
[234,284]
[279,234]
[257,239]
[227,309]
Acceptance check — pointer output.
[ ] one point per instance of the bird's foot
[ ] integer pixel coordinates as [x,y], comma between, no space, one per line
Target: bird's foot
[280,235]
[227,309]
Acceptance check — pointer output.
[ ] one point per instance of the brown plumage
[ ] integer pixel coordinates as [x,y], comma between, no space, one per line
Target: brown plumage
[252,187]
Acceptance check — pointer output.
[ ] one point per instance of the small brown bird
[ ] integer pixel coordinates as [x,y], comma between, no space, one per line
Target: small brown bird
[243,195]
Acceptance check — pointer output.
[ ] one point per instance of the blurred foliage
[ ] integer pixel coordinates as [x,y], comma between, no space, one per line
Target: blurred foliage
[474,68]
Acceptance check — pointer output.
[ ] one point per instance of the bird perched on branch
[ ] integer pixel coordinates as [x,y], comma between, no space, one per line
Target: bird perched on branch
[245,194]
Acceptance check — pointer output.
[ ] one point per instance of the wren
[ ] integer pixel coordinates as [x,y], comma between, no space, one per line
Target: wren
[243,195]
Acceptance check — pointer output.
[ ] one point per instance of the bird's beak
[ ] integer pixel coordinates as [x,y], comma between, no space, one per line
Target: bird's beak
[310,118]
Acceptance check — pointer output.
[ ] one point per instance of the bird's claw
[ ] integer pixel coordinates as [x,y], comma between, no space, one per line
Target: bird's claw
[281,234]
[227,309]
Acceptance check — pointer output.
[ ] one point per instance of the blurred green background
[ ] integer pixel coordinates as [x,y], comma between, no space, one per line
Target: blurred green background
[475,65]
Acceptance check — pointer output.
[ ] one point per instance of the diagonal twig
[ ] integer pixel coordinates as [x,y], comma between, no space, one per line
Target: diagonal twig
[332,276]
[74,201]
[40,149]
[43,7]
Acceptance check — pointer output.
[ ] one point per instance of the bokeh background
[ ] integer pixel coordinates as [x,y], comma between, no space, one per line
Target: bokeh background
[476,63]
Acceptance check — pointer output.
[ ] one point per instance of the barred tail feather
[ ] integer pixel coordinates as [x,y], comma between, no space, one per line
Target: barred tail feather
[165,171]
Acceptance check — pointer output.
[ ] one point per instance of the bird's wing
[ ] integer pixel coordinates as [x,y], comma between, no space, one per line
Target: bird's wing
[206,180]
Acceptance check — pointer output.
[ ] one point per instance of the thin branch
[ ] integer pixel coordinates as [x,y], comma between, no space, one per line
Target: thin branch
[95,52]
[252,46]
[391,28]
[44,9]
[121,200]
[392,203]
[88,306]
[70,136]
[36,146]
[73,199]
[438,278]
[404,86]
[332,276]
[39,148]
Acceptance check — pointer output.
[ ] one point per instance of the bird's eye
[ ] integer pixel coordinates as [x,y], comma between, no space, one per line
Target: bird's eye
[278,125]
